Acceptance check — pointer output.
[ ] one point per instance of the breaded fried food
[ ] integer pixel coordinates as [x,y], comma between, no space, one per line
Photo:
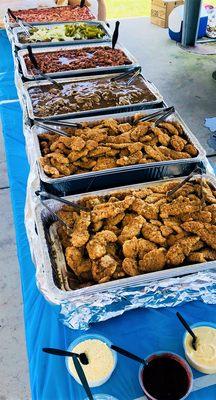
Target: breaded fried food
[103,268]
[131,230]
[81,267]
[206,232]
[153,233]
[130,267]
[154,260]
[80,235]
[177,143]
[109,210]
[181,205]
[169,127]
[202,256]
[163,138]
[96,246]
[177,253]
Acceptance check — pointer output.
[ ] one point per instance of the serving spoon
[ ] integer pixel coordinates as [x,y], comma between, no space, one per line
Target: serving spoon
[187,327]
[58,352]
[128,354]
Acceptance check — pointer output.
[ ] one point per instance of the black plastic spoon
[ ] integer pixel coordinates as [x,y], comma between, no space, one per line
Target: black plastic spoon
[187,327]
[58,352]
[45,76]
[115,34]
[128,354]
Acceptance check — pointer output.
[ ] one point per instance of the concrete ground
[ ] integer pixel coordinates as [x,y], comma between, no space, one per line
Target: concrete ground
[185,81]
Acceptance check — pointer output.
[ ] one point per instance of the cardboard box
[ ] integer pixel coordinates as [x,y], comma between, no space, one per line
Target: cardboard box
[160,11]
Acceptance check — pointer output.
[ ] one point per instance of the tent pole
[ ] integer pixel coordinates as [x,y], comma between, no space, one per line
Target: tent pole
[192,10]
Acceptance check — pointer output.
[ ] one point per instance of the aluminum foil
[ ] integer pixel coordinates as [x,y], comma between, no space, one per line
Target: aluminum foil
[86,310]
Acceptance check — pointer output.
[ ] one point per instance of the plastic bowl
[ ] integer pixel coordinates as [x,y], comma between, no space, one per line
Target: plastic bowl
[195,364]
[177,358]
[82,339]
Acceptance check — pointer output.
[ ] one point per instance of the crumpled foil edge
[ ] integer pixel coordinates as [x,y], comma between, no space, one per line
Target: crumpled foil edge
[86,310]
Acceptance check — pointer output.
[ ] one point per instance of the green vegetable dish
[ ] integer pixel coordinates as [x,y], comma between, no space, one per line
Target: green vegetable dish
[59,33]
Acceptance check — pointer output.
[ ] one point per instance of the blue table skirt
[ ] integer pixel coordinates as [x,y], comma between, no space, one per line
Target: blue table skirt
[141,331]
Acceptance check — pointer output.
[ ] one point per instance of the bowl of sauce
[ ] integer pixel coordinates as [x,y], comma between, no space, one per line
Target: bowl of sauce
[102,359]
[203,359]
[166,376]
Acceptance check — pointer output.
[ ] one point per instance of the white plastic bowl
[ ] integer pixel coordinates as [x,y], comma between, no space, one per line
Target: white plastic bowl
[90,337]
[199,367]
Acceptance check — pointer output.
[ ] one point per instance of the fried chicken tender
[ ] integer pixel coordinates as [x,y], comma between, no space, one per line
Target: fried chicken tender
[130,267]
[132,230]
[64,236]
[139,131]
[115,220]
[80,266]
[191,149]
[148,211]
[177,253]
[137,247]
[154,260]
[96,246]
[169,127]
[77,154]
[207,232]
[155,153]
[173,238]
[173,154]
[202,256]
[49,170]
[153,233]
[104,163]
[163,138]
[80,235]
[67,215]
[181,205]
[130,160]
[177,143]
[104,268]
[212,210]
[202,216]
[107,210]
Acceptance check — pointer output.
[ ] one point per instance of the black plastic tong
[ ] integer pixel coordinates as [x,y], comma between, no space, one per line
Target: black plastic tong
[20,22]
[34,62]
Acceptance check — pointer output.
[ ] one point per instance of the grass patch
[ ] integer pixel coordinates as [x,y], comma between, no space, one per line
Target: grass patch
[131,8]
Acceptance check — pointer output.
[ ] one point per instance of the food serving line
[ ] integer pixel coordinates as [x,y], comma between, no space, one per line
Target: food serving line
[82,302]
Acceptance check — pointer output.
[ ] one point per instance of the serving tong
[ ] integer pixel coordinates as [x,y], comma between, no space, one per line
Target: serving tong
[39,72]
[20,22]
[75,206]
[46,125]
[135,71]
[162,115]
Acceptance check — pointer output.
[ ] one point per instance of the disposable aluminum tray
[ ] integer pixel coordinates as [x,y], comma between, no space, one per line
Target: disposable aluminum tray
[121,175]
[9,24]
[48,280]
[99,111]
[106,38]
[87,71]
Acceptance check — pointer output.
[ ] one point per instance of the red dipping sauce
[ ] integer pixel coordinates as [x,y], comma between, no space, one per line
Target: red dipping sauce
[166,377]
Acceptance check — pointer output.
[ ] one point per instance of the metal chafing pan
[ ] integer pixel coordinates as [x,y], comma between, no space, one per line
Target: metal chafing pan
[10,24]
[48,279]
[106,38]
[87,71]
[99,111]
[121,175]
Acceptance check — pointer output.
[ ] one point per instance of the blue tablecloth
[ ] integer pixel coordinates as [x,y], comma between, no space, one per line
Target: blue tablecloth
[141,331]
